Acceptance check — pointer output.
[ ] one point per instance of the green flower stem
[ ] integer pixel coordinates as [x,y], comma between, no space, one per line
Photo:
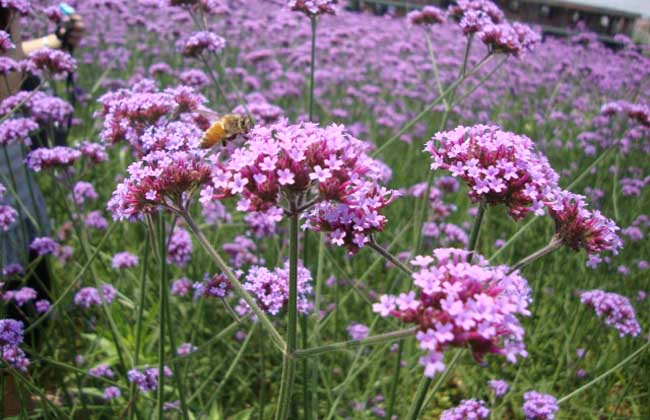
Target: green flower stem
[390,257]
[162,251]
[421,400]
[350,344]
[214,255]
[289,361]
[138,323]
[432,104]
[607,373]
[554,244]
[312,66]
[476,227]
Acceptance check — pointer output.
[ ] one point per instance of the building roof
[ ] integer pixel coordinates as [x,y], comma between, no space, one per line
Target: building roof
[631,7]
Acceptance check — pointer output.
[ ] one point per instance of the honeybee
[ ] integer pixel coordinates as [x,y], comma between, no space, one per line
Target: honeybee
[224,128]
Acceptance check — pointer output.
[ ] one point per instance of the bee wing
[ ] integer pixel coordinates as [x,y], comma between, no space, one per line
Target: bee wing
[208,114]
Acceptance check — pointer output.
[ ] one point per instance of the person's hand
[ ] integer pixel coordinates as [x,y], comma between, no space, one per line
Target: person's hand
[73,30]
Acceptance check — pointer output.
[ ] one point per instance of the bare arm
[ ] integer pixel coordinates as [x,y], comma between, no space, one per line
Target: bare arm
[49,41]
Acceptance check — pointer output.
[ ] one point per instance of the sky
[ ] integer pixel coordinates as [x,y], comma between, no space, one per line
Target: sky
[635,6]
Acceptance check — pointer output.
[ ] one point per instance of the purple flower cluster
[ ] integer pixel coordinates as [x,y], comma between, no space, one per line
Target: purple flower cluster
[538,406]
[638,112]
[11,337]
[200,42]
[351,223]
[499,167]
[5,42]
[313,7]
[147,379]
[21,296]
[500,387]
[128,114]
[101,371]
[288,161]
[96,220]
[462,304]
[578,227]
[242,251]
[358,331]
[111,393]
[467,410]
[94,151]
[271,288]
[428,15]
[58,157]
[185,349]
[43,108]
[179,251]
[617,310]
[44,246]
[181,287]
[53,63]
[17,130]
[89,296]
[123,260]
[212,286]
[7,217]
[82,191]
[158,179]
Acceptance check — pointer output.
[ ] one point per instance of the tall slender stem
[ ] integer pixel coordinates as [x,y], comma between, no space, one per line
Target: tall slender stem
[138,325]
[617,168]
[312,67]
[161,299]
[350,344]
[239,288]
[421,399]
[476,227]
[289,361]
[554,244]
[390,257]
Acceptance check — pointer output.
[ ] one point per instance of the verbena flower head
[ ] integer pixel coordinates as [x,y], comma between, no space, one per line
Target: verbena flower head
[17,130]
[21,296]
[89,296]
[499,167]
[314,7]
[5,42]
[181,287]
[474,15]
[22,7]
[51,63]
[578,227]
[200,42]
[111,393]
[462,304]
[241,251]
[159,179]
[11,336]
[217,286]
[44,245]
[284,161]
[128,114]
[467,410]
[352,222]
[96,220]
[147,379]
[508,39]
[179,251]
[358,331]
[185,349]
[538,406]
[616,309]
[82,191]
[428,15]
[8,65]
[271,288]
[8,216]
[57,157]
[101,371]
[500,387]
[123,260]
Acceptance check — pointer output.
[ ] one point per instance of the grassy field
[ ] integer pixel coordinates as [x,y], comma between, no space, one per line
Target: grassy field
[385,80]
